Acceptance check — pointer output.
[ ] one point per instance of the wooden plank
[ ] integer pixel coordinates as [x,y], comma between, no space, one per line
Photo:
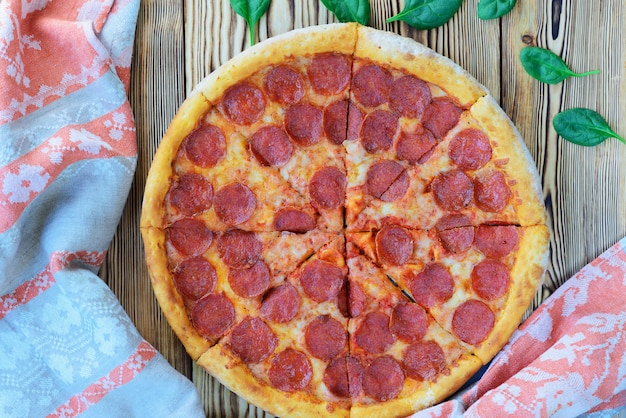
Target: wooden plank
[156,93]
[584,188]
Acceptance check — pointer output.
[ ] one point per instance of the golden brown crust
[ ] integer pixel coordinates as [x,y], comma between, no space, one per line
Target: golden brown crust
[410,56]
[338,37]
[426,394]
[159,176]
[167,295]
[237,376]
[526,277]
[519,164]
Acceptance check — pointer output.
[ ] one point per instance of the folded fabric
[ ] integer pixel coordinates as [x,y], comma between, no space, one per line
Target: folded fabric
[567,359]
[67,158]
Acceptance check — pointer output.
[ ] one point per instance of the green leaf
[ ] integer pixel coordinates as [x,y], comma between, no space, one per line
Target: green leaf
[493,9]
[427,14]
[546,66]
[251,11]
[583,127]
[350,10]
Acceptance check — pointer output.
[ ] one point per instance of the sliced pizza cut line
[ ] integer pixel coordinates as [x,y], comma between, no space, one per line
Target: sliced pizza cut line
[406,359]
[476,292]
[287,353]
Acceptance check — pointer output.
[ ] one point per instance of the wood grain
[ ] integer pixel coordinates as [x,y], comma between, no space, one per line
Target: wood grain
[180,42]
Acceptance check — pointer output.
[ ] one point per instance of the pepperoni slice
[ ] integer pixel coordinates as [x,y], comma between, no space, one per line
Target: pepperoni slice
[409,96]
[457,240]
[491,191]
[496,241]
[432,286]
[335,116]
[321,280]
[472,321]
[455,233]
[239,249]
[285,85]
[234,203]
[270,145]
[373,335]
[213,315]
[189,236]
[356,300]
[441,116]
[250,282]
[329,73]
[243,103]
[424,360]
[290,370]
[304,123]
[470,149]
[325,337]
[379,130]
[383,379]
[387,180]
[343,377]
[195,277]
[371,85]
[328,187]
[205,146]
[293,220]
[409,322]
[252,340]
[490,279]
[280,304]
[394,245]
[453,190]
[191,194]
[416,147]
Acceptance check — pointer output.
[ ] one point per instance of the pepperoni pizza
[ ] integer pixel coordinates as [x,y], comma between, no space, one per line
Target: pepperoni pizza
[340,222]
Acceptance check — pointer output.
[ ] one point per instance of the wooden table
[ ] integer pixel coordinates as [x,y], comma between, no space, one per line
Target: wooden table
[180,42]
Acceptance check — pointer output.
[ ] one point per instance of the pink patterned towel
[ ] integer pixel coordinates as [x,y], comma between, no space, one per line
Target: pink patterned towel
[567,359]
[67,158]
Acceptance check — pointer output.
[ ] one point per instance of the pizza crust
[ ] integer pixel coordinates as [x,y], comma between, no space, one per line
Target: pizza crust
[237,377]
[338,37]
[160,174]
[428,395]
[419,60]
[526,278]
[171,302]
[527,188]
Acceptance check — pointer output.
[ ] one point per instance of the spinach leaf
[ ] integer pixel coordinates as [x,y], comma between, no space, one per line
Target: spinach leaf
[546,66]
[350,10]
[583,127]
[427,14]
[493,9]
[251,11]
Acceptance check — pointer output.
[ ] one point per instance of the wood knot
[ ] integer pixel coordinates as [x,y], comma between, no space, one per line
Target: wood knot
[528,39]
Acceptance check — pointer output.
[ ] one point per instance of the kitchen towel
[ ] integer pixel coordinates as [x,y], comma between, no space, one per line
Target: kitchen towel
[67,158]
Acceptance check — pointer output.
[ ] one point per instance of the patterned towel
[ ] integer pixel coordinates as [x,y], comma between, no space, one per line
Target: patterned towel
[67,158]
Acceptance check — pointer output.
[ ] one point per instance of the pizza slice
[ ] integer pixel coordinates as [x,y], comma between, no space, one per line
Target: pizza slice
[428,148]
[291,108]
[206,280]
[282,354]
[400,358]
[476,282]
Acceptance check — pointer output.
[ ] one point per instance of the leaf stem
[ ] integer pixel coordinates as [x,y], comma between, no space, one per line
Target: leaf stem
[586,73]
